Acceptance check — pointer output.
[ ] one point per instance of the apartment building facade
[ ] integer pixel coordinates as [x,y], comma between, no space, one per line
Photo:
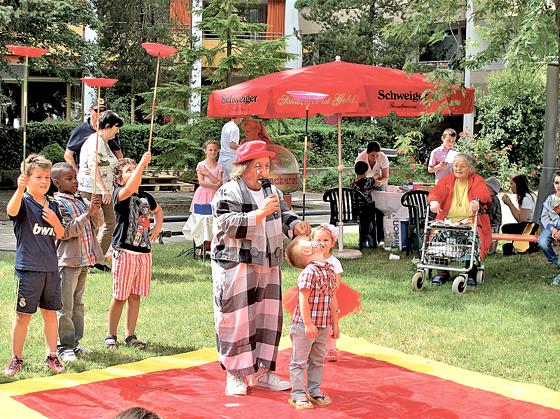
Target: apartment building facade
[51,97]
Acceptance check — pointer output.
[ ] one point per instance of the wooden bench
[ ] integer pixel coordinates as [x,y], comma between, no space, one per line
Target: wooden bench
[173,186]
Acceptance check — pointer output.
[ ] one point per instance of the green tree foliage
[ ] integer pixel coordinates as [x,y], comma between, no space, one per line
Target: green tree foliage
[48,24]
[512,113]
[236,52]
[124,27]
[236,38]
[352,29]
[524,33]
[520,31]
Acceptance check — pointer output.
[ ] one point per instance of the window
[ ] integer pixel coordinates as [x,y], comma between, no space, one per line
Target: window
[445,50]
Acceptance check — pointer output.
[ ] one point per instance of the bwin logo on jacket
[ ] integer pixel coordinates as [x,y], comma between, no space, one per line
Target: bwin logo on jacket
[42,230]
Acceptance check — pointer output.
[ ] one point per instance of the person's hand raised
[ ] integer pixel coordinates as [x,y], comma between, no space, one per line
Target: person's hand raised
[95,204]
[22,182]
[506,199]
[203,170]
[146,159]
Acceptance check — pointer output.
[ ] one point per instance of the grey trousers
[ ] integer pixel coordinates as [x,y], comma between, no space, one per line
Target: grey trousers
[307,354]
[71,317]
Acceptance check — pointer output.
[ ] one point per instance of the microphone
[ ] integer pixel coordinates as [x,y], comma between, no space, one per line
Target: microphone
[267,190]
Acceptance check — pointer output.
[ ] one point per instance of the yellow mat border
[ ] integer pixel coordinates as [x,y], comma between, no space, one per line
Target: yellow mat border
[519,391]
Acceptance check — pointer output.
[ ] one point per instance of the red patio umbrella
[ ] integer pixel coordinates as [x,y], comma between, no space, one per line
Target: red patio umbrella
[352,89]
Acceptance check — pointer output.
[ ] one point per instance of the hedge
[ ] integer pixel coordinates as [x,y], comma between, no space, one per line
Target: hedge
[134,140]
[185,152]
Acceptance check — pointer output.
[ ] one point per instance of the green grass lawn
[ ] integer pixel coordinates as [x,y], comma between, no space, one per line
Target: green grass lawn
[506,328]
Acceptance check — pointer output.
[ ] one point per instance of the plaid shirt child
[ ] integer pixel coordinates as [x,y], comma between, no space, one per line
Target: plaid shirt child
[320,279]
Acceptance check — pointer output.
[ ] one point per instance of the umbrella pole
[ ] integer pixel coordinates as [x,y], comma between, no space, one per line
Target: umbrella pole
[25,75]
[305,157]
[340,167]
[96,165]
[153,106]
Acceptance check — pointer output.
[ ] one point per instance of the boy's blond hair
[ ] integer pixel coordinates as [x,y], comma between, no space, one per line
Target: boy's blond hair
[294,254]
[35,161]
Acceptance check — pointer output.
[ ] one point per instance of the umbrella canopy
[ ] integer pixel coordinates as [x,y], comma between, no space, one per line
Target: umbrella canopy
[353,89]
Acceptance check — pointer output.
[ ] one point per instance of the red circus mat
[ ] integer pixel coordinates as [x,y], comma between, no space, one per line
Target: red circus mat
[361,386]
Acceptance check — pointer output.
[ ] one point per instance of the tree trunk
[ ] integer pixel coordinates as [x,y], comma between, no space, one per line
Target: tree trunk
[552,126]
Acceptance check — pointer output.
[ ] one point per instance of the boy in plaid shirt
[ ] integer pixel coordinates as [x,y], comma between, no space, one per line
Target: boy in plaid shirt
[316,310]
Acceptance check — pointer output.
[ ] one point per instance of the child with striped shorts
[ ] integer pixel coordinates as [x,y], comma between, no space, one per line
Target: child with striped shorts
[132,256]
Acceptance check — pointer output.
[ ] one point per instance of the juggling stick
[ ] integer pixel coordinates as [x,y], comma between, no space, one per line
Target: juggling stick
[98,82]
[26,52]
[307,98]
[156,50]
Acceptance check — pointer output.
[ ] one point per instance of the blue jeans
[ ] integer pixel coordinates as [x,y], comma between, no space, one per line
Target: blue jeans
[545,243]
[307,354]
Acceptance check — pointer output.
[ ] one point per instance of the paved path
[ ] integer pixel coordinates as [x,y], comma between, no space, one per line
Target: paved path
[313,201]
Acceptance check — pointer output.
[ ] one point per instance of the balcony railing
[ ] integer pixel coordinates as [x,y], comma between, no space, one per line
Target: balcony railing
[258,36]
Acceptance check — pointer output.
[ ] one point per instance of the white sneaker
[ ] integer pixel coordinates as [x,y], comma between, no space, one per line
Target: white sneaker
[67,355]
[235,386]
[271,381]
[80,350]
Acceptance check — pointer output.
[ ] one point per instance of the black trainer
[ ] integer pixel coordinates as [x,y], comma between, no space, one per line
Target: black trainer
[101,267]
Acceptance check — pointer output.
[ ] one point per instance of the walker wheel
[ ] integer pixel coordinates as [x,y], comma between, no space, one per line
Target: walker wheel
[480,276]
[459,284]
[417,281]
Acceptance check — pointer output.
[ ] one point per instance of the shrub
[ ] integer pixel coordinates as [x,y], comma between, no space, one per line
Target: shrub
[328,179]
[54,152]
[406,168]
[493,161]
[512,114]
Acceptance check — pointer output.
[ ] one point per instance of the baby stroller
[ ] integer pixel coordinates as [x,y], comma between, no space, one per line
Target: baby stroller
[449,246]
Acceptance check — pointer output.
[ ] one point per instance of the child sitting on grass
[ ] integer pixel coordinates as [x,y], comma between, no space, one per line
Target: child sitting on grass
[317,310]
[37,225]
[132,255]
[77,251]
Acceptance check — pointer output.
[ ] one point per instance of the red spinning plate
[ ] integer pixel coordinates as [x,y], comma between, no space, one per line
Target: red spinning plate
[27,51]
[98,81]
[159,50]
[309,97]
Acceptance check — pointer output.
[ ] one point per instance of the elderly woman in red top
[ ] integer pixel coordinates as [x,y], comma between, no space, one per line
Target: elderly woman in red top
[457,196]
